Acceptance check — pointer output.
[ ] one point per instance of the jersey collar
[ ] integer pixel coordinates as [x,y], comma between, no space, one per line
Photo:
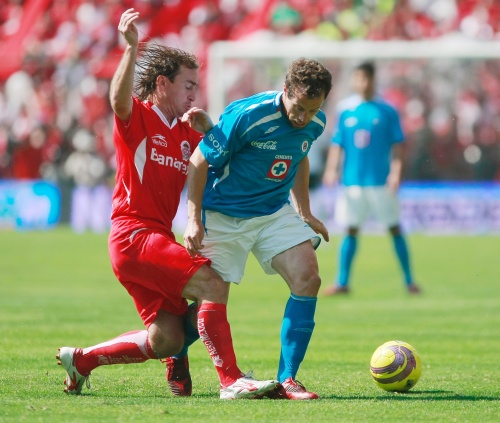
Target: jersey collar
[163,118]
[277,100]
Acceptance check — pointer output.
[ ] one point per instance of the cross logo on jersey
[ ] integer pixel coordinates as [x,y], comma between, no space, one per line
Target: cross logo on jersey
[362,138]
[279,169]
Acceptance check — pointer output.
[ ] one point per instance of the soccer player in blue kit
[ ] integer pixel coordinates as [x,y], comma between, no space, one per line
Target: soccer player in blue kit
[369,135]
[240,178]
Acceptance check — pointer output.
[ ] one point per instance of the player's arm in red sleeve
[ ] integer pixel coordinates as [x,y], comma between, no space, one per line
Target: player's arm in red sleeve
[122,83]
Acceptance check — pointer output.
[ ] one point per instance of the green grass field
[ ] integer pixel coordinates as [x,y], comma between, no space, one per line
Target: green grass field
[57,288]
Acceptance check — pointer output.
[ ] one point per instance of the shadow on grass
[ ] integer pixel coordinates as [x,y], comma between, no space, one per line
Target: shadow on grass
[431,395]
[417,396]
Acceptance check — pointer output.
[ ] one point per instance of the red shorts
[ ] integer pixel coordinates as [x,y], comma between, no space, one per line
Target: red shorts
[154,269]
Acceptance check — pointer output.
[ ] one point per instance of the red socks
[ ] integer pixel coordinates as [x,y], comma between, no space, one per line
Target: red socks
[134,347]
[130,347]
[216,335]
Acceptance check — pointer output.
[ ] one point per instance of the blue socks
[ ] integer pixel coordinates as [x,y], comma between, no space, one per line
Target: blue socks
[296,332]
[403,257]
[347,252]
[191,334]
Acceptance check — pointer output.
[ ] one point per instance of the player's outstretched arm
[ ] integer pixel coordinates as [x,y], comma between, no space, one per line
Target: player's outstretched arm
[197,179]
[300,197]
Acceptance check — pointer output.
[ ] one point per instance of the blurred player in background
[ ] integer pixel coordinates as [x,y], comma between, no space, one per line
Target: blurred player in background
[239,182]
[152,148]
[368,137]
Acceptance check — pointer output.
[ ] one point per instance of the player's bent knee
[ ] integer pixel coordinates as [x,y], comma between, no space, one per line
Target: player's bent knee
[165,347]
[307,286]
[314,283]
[353,231]
[207,285]
[166,334]
[215,290]
[395,230]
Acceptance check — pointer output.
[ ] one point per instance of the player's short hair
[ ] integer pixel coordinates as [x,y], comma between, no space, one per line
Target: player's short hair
[310,76]
[155,60]
[368,68]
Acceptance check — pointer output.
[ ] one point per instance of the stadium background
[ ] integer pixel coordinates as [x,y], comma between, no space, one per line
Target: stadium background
[56,153]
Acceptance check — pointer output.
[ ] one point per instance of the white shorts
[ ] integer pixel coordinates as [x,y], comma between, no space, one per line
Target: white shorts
[356,203]
[228,240]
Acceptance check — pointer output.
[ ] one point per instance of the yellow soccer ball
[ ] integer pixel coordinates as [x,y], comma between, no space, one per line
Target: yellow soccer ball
[395,366]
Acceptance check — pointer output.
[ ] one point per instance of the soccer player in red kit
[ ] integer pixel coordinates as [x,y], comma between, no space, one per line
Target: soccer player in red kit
[153,146]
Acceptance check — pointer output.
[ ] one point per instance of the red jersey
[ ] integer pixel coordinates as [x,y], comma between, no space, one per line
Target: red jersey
[152,161]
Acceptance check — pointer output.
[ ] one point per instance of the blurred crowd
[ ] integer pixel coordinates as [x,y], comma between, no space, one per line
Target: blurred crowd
[58,57]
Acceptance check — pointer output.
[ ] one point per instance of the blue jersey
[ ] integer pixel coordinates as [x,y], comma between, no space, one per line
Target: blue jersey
[366,130]
[253,155]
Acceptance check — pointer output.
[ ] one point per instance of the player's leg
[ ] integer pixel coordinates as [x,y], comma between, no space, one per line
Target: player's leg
[191,331]
[403,256]
[299,267]
[227,244]
[228,264]
[163,337]
[131,347]
[385,205]
[286,246]
[347,252]
[135,261]
[177,366]
[211,292]
[352,210]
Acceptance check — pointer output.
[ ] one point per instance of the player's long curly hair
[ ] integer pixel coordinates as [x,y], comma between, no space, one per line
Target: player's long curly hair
[309,76]
[155,60]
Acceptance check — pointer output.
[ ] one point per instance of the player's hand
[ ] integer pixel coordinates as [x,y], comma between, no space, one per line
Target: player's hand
[193,237]
[198,119]
[127,28]
[317,226]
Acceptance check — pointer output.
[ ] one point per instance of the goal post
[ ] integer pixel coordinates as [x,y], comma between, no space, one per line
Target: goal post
[223,52]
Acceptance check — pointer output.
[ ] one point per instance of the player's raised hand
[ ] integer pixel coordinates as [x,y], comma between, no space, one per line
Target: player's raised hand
[127,28]
[198,119]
